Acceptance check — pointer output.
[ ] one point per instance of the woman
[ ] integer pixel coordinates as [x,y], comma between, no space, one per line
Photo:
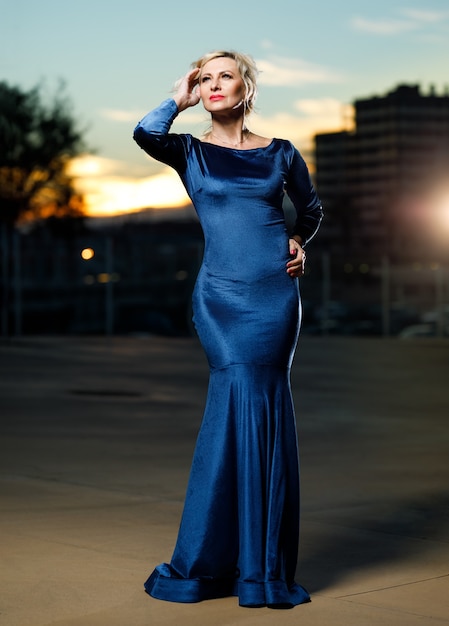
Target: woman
[240,526]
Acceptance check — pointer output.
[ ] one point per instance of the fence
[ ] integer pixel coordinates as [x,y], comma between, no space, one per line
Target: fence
[141,280]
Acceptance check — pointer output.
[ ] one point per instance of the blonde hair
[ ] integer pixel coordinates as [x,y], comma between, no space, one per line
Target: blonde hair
[247,70]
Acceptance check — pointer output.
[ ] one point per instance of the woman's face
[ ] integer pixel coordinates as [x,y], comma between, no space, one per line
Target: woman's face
[221,86]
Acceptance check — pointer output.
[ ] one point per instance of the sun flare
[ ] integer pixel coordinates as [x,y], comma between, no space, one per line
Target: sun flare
[441,210]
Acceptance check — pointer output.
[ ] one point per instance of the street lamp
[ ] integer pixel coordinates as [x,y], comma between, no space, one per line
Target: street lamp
[87,254]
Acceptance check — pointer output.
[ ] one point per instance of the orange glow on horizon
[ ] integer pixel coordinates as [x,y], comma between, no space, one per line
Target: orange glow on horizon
[107,194]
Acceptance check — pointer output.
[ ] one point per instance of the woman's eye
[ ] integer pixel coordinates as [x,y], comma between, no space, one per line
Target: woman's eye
[204,79]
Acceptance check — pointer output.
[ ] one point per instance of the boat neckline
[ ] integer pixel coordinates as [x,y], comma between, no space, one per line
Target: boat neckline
[208,143]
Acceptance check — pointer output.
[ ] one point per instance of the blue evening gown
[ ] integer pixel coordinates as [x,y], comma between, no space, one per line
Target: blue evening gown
[240,526]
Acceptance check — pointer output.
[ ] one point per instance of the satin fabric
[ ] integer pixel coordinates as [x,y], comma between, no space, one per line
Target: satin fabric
[240,525]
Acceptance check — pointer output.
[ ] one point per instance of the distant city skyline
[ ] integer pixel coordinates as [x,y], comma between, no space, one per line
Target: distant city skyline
[119,60]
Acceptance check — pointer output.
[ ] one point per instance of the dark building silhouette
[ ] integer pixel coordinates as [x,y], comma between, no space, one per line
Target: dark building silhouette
[379,182]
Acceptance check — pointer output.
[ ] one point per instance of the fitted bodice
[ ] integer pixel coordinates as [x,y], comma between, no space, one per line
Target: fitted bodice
[238,197]
[237,194]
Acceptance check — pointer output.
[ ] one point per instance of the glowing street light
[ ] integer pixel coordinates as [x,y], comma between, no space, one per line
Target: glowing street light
[87,254]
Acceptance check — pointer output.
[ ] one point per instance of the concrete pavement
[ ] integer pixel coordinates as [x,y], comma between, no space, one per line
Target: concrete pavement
[96,441]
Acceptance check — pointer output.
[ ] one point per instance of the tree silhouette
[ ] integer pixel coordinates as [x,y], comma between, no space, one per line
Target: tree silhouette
[37,141]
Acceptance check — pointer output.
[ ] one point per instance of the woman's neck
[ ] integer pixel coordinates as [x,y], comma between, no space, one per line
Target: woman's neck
[230,131]
[234,139]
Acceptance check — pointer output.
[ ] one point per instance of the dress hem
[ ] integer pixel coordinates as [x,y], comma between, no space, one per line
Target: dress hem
[272,594]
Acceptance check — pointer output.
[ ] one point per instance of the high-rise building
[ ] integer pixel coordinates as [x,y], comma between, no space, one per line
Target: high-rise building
[385,184]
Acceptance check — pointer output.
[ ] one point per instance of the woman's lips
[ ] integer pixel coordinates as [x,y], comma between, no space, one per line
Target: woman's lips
[216,97]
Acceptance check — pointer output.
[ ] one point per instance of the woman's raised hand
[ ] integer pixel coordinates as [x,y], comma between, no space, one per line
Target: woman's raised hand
[187,94]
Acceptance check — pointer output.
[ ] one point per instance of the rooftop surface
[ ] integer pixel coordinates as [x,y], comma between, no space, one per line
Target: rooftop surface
[97,436]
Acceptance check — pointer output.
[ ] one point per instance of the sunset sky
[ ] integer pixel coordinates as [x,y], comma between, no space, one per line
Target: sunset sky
[119,59]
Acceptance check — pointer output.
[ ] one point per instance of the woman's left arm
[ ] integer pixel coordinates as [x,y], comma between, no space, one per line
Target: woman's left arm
[309,212]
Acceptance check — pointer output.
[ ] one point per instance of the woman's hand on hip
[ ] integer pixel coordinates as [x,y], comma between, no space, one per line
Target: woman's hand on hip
[295,267]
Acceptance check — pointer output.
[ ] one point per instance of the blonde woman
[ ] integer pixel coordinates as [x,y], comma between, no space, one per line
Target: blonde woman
[240,526]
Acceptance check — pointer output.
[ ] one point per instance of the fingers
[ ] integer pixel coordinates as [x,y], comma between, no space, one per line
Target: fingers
[193,84]
[195,74]
[187,94]
[296,265]
[191,79]
[296,268]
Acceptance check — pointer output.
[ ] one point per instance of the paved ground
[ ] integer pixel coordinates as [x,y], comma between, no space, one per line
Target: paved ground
[96,442]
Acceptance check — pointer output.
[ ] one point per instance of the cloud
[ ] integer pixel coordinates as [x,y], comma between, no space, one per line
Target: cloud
[320,107]
[288,72]
[193,116]
[313,116]
[426,16]
[409,20]
[133,116]
[382,26]
[117,115]
[91,166]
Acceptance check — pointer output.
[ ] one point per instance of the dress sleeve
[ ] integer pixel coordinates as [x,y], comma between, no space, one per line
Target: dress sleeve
[152,135]
[301,192]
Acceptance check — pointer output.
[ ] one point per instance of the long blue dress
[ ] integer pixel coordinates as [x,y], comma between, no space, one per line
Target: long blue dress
[240,525]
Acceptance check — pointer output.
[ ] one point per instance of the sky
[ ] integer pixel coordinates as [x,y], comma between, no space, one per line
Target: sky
[120,59]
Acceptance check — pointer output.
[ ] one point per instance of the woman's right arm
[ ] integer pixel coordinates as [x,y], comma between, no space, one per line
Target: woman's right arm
[152,132]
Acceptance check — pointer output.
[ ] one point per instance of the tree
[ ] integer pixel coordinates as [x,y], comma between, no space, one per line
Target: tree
[37,141]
